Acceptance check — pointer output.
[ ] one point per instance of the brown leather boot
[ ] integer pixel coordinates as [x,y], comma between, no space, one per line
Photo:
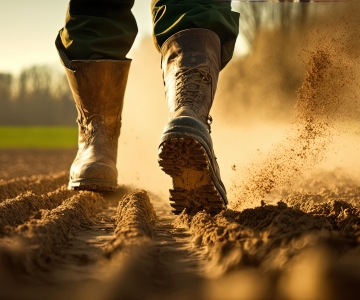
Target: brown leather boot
[98,87]
[191,65]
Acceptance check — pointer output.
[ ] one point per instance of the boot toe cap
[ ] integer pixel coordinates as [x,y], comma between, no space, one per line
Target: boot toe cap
[98,171]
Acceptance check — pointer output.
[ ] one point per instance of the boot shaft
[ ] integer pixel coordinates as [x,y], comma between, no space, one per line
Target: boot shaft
[191,63]
[98,88]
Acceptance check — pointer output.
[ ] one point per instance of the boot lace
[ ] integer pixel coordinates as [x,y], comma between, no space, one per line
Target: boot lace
[188,85]
[188,89]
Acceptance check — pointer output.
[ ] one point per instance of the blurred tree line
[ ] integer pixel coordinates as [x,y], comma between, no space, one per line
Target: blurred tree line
[267,77]
[38,96]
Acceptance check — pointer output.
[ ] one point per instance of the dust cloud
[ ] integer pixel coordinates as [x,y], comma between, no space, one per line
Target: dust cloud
[144,117]
[278,112]
[326,107]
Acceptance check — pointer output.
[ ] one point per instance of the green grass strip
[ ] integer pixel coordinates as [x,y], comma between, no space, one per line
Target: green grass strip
[38,137]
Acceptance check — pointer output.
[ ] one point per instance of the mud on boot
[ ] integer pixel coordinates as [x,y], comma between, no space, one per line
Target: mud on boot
[186,154]
[98,88]
[190,60]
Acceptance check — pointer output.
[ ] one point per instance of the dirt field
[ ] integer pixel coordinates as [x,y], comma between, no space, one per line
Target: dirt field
[58,244]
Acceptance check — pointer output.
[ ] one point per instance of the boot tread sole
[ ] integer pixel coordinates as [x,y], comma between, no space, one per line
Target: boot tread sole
[187,162]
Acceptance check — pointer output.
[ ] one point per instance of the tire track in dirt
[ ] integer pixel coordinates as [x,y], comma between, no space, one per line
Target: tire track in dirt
[38,184]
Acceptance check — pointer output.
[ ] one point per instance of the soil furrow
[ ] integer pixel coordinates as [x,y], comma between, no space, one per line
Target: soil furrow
[135,221]
[38,184]
[14,212]
[266,243]
[247,237]
[154,254]
[49,230]
[83,256]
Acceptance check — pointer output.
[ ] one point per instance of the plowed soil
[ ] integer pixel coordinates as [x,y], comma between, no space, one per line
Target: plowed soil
[58,244]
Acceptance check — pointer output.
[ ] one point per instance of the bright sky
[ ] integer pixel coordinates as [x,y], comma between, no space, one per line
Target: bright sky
[29,27]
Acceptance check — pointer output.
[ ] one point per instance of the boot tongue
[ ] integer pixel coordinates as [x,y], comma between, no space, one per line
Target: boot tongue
[189,61]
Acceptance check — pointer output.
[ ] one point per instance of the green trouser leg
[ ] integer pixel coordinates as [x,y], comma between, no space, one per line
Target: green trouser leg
[99,29]
[172,16]
[106,29]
